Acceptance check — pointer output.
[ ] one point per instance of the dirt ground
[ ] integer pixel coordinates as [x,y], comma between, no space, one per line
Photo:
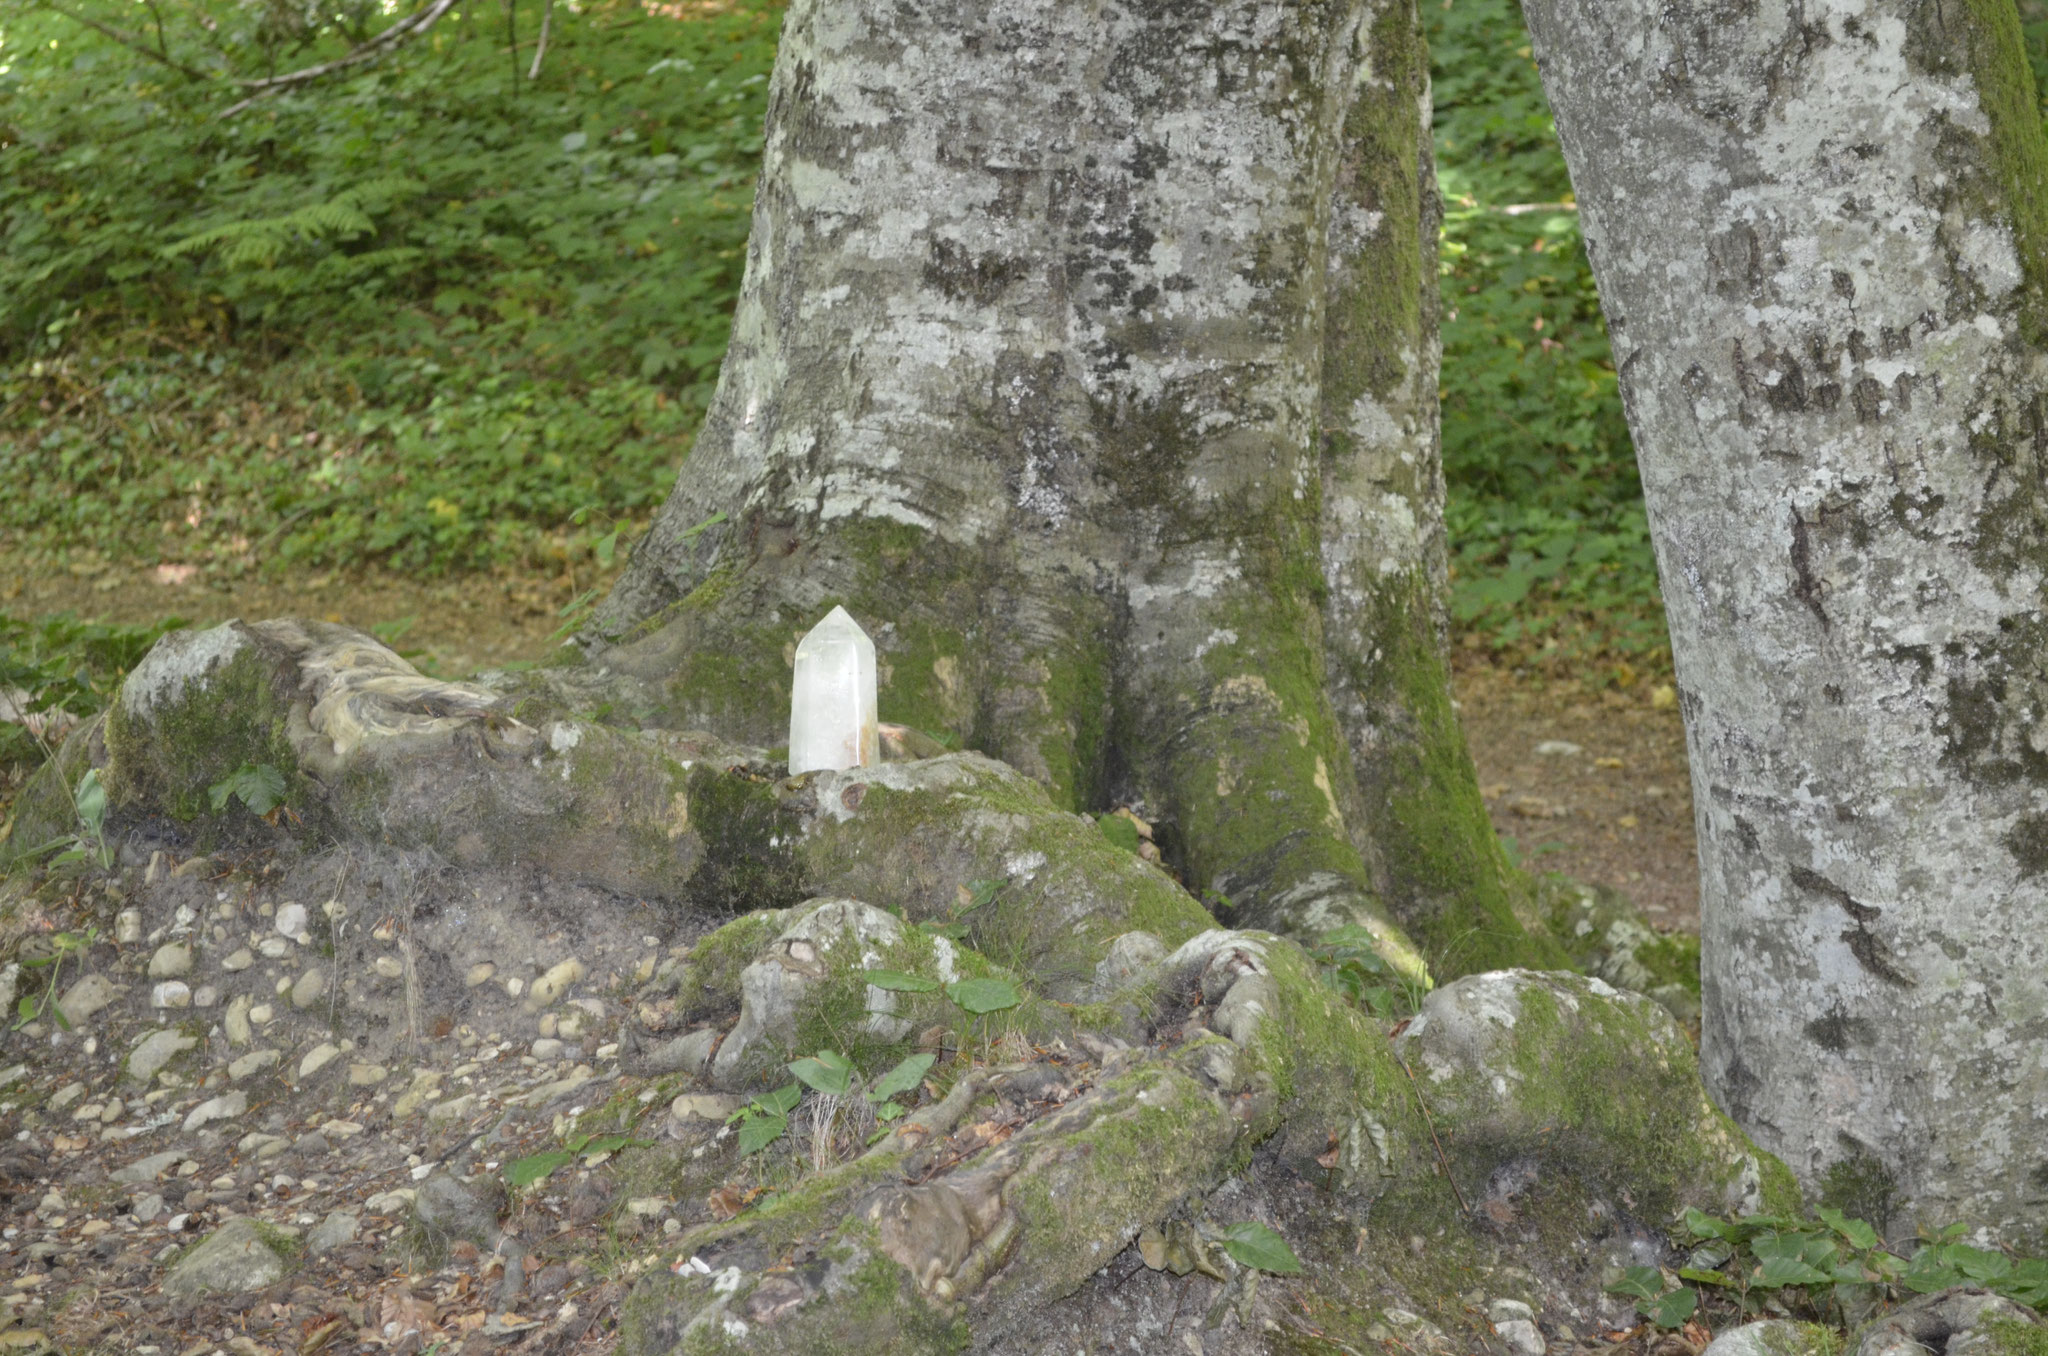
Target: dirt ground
[1590,784]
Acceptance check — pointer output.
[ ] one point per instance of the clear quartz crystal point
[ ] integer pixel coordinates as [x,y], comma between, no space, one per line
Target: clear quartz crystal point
[832,702]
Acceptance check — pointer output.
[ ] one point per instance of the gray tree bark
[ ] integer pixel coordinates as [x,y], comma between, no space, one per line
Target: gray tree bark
[1087,355]
[1819,234]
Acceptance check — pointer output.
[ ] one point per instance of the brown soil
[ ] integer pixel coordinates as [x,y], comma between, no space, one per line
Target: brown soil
[1618,812]
[1590,784]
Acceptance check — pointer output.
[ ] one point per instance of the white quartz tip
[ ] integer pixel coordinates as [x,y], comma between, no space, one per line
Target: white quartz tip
[832,722]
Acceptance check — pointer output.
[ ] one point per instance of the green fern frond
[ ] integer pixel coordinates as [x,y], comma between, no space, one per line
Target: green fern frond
[262,241]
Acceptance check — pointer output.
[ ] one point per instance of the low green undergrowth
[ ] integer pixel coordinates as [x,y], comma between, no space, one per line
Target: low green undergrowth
[424,312]
[1832,1269]
[56,672]
[1551,559]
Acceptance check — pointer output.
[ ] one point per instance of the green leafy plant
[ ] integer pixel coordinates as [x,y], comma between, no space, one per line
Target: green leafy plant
[524,1172]
[89,842]
[259,786]
[981,999]
[983,996]
[765,1119]
[828,1072]
[55,673]
[969,898]
[1816,1265]
[533,1168]
[233,342]
[1251,1244]
[63,945]
[1352,965]
[903,1078]
[898,982]
[1551,556]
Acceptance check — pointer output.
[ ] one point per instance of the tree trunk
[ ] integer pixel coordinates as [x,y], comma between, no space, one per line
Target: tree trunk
[1087,356]
[1819,235]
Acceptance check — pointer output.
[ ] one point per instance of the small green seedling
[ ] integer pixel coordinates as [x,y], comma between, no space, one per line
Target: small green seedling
[65,945]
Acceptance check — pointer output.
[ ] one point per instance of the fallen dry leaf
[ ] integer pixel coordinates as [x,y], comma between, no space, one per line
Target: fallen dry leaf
[402,1313]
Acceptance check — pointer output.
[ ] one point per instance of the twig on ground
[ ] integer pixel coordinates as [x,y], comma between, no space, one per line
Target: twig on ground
[1431,1123]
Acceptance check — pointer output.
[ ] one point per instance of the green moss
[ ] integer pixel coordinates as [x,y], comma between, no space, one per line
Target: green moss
[190,741]
[1380,312]
[912,851]
[2018,148]
[1674,958]
[735,683]
[873,1307]
[1604,1105]
[708,985]
[1445,877]
[1861,1187]
[288,1247]
[2010,1337]
[1158,1142]
[751,856]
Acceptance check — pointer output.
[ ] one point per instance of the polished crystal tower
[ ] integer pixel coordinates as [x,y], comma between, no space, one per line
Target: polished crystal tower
[832,702]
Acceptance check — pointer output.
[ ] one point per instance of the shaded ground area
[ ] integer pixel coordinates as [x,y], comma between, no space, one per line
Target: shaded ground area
[1589,783]
[449,625]
[1592,784]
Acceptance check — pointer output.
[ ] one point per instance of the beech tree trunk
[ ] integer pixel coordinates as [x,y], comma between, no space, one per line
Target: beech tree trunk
[1087,354]
[1819,235]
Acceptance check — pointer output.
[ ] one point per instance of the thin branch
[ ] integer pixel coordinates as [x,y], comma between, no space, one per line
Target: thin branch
[512,42]
[132,42]
[402,31]
[157,17]
[540,50]
[1431,1123]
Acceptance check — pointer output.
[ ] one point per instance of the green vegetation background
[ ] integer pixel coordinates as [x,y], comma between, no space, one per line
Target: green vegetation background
[442,316]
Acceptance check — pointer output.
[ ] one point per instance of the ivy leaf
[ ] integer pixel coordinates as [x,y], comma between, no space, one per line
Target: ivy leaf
[758,1132]
[606,1144]
[1642,1282]
[984,995]
[1781,1270]
[1703,1225]
[782,1101]
[898,982]
[535,1167]
[828,1072]
[1253,1245]
[1858,1233]
[1673,1309]
[902,1078]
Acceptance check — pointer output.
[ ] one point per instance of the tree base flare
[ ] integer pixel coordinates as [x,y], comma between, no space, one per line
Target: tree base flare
[1107,1088]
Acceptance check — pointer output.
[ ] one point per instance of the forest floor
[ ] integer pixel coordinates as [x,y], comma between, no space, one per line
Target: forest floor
[1580,779]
